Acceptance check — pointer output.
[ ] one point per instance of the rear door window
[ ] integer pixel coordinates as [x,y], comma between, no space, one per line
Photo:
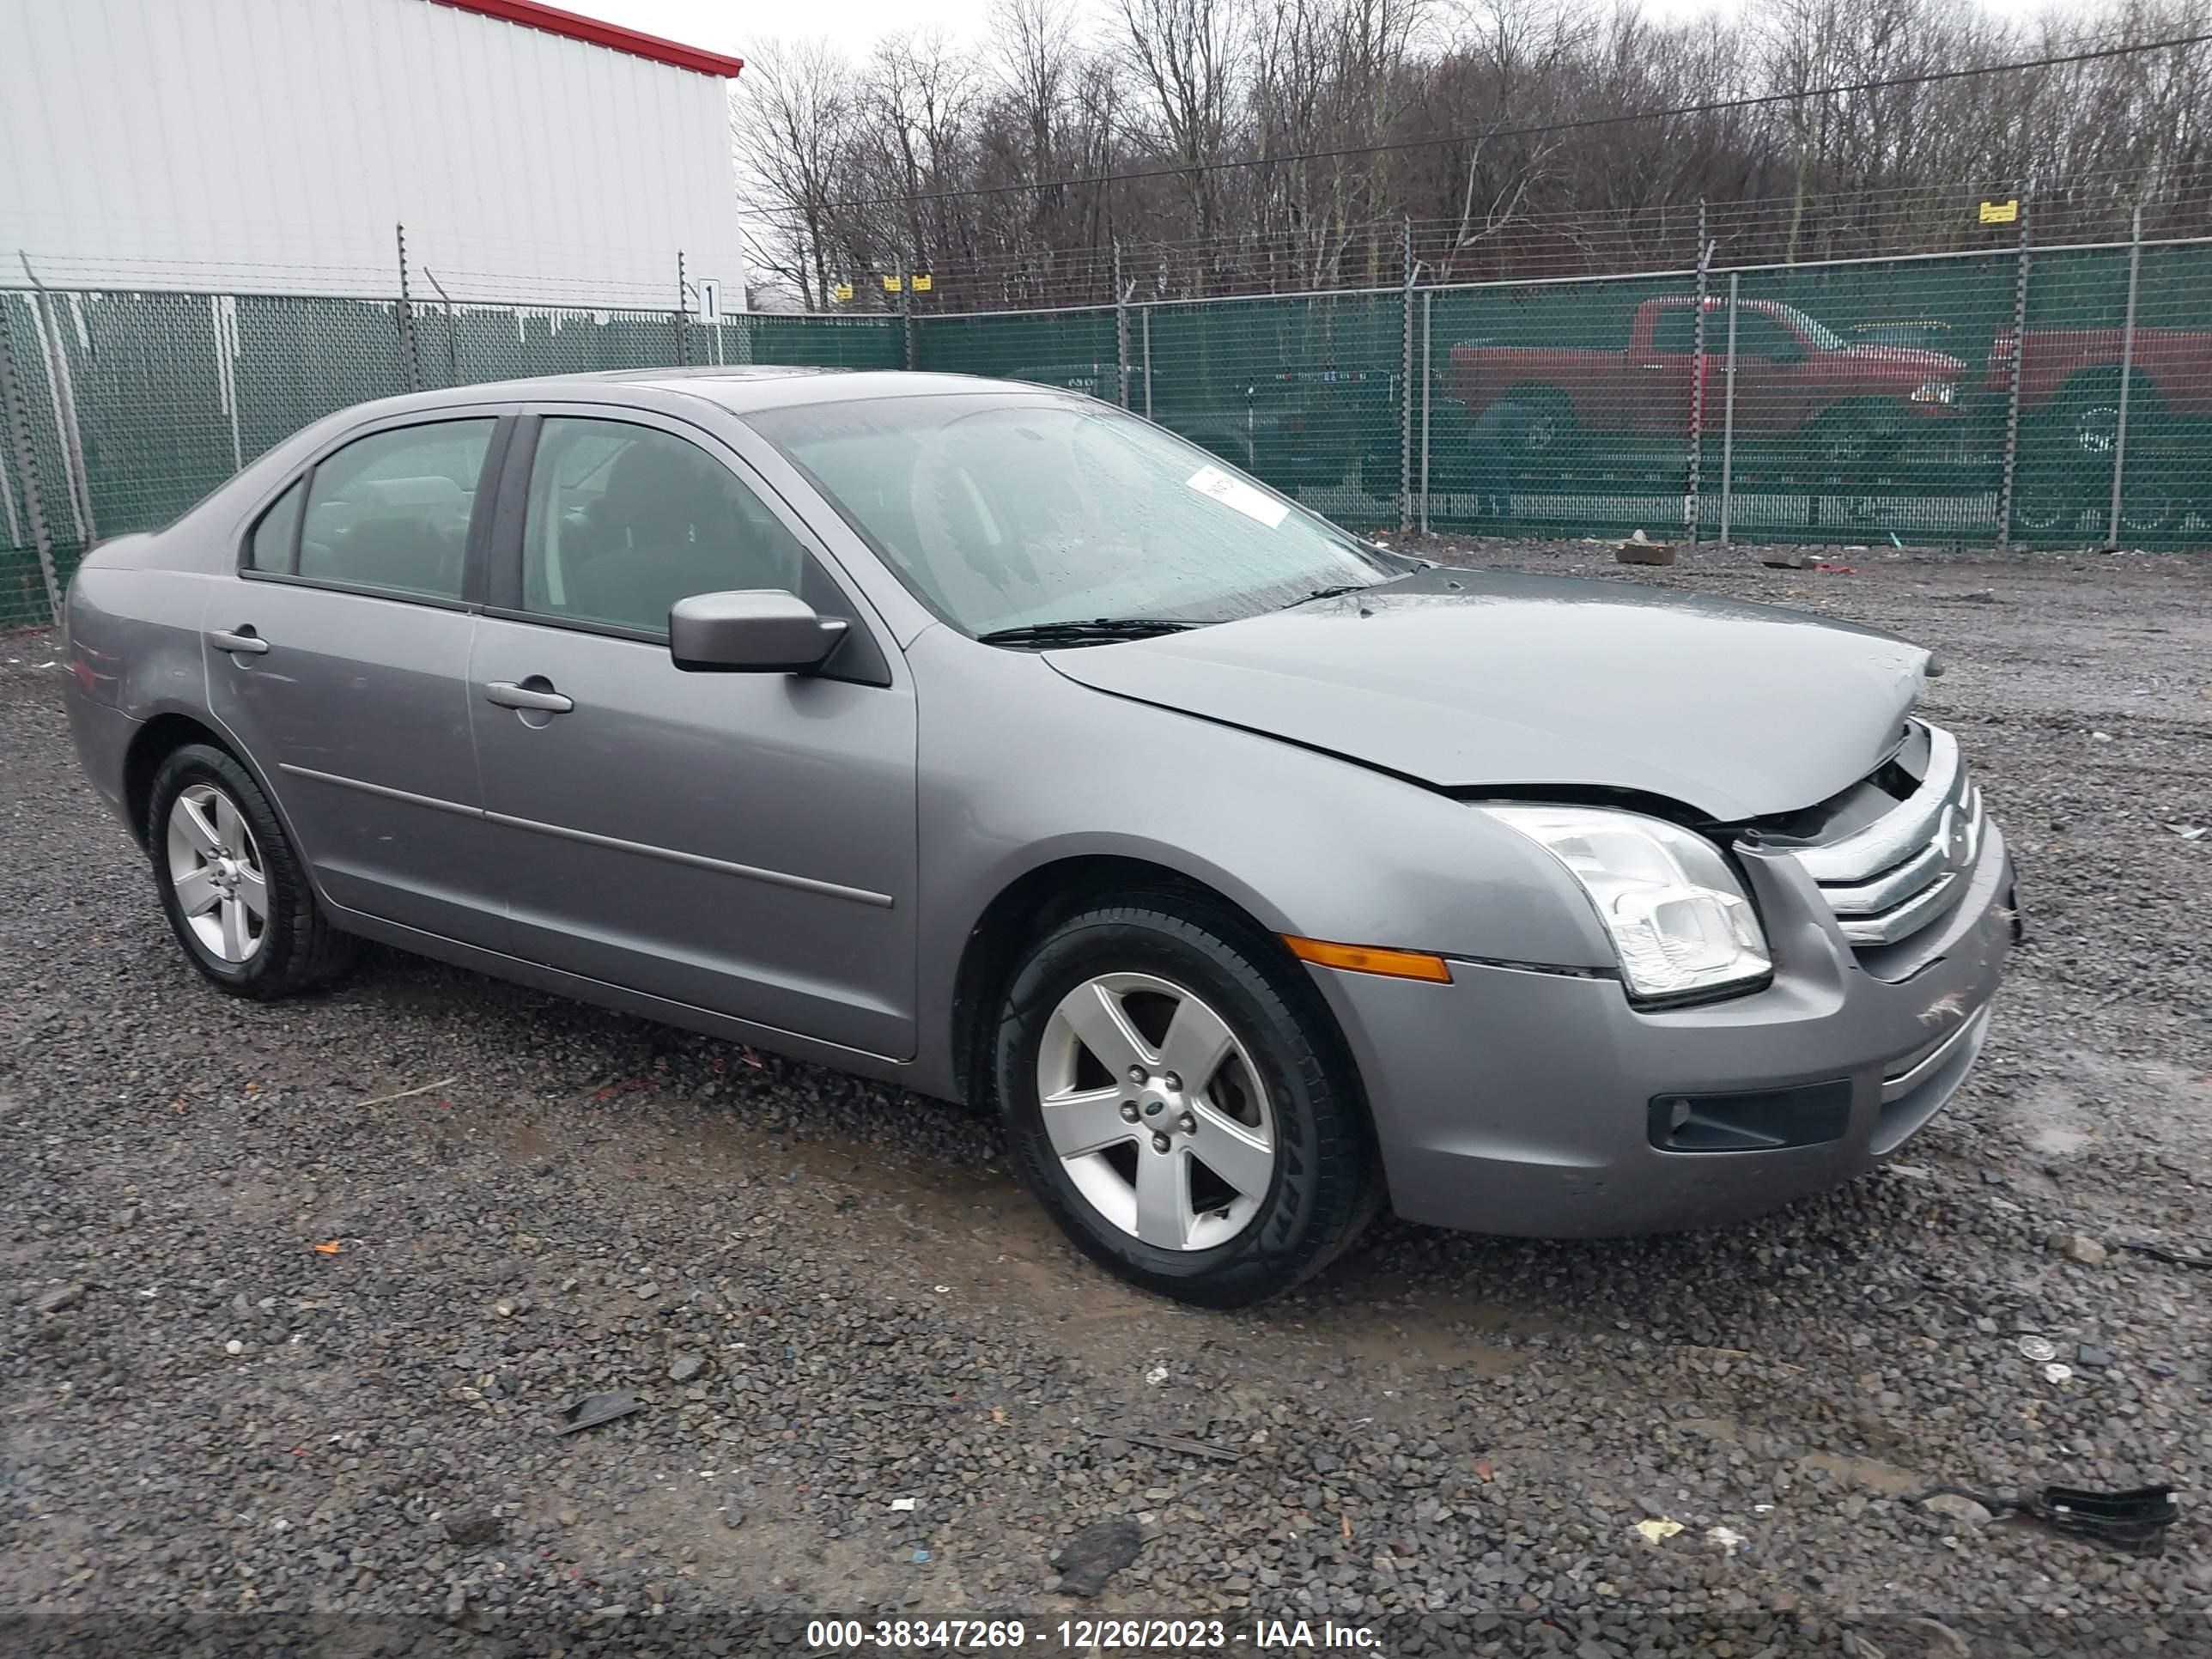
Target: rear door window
[392,511]
[1758,335]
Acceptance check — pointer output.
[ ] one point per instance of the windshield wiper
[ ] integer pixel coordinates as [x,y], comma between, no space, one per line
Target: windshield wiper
[1336,592]
[1099,631]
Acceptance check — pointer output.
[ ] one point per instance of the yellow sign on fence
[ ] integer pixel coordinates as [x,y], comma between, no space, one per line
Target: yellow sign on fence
[2001,213]
[922,282]
[892,285]
[843,291]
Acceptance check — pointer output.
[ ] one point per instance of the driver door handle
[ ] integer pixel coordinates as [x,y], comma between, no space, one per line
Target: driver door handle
[245,642]
[507,694]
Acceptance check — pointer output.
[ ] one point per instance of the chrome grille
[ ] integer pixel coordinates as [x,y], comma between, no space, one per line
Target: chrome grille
[1891,878]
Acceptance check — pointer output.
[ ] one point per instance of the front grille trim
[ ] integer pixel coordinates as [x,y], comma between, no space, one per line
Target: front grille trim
[1895,836]
[1892,877]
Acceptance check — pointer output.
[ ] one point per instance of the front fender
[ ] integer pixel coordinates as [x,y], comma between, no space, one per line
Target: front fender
[1020,768]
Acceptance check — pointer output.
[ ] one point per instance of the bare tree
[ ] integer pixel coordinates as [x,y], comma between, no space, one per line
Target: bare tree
[1256,145]
[793,127]
[1186,55]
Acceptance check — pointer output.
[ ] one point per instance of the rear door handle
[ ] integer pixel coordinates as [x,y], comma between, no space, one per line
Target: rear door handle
[245,642]
[507,694]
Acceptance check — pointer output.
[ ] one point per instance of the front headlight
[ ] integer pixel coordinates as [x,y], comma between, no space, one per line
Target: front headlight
[1934,392]
[1679,920]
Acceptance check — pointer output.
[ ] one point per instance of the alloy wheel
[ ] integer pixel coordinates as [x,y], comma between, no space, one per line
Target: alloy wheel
[1155,1110]
[216,871]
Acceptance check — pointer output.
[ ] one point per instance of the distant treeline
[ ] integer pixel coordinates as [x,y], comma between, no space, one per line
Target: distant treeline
[897,162]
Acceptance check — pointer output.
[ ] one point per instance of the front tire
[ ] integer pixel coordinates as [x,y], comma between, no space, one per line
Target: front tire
[1176,1097]
[234,888]
[1539,424]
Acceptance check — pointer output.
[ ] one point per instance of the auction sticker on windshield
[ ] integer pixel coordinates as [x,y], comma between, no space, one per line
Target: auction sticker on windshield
[1235,492]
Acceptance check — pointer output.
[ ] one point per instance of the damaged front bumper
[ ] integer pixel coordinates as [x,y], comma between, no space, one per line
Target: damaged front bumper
[1519,1101]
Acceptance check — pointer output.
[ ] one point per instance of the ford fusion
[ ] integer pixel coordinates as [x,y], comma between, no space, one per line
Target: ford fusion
[984,740]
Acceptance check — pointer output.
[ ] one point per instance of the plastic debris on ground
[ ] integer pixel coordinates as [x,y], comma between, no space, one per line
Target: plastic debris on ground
[2134,1522]
[597,1408]
[1092,1556]
[1659,1527]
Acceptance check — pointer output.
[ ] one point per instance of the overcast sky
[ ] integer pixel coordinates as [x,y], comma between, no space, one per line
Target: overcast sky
[724,25]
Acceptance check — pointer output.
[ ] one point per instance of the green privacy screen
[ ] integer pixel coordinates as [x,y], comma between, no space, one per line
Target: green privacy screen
[2061,398]
[168,394]
[1850,403]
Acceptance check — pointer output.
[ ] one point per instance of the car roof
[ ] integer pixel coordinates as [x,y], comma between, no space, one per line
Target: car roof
[743,389]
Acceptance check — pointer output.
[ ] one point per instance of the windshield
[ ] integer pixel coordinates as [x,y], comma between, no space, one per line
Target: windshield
[1823,338]
[1004,513]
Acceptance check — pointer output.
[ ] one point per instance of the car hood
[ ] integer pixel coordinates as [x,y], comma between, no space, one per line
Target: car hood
[1470,680]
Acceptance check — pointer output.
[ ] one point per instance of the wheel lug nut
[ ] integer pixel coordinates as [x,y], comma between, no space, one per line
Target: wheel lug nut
[1161,1143]
[1173,1082]
[1128,1111]
[1188,1124]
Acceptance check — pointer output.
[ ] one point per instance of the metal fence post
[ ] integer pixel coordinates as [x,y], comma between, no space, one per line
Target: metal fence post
[1120,327]
[906,311]
[222,311]
[62,389]
[1406,394]
[2127,377]
[1697,378]
[453,340]
[1428,386]
[18,418]
[1145,324]
[409,364]
[2012,403]
[683,315]
[1727,419]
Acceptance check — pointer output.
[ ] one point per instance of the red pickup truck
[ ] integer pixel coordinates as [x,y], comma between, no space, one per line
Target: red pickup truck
[2069,380]
[1795,379]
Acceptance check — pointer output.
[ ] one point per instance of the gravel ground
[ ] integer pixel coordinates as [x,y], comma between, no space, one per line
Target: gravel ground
[282,1341]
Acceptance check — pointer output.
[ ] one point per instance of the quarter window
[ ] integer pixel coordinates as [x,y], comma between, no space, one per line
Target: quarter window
[1675,330]
[623,521]
[391,510]
[1758,335]
[271,546]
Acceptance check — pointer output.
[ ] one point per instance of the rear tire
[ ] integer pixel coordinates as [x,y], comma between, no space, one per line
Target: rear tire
[1218,1188]
[2045,507]
[234,888]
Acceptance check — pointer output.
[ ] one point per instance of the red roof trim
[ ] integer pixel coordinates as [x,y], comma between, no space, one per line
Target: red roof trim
[551,19]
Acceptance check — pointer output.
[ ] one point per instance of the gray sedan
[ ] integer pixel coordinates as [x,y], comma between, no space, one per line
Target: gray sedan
[984,740]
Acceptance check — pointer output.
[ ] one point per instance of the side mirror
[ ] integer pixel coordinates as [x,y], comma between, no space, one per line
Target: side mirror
[754,631]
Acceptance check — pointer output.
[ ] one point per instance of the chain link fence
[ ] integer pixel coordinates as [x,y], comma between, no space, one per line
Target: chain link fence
[2042,396]
[131,406]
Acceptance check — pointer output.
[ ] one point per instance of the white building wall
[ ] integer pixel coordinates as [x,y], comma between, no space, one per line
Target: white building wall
[272,145]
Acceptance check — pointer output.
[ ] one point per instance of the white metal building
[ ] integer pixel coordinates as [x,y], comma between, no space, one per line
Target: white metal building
[273,145]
